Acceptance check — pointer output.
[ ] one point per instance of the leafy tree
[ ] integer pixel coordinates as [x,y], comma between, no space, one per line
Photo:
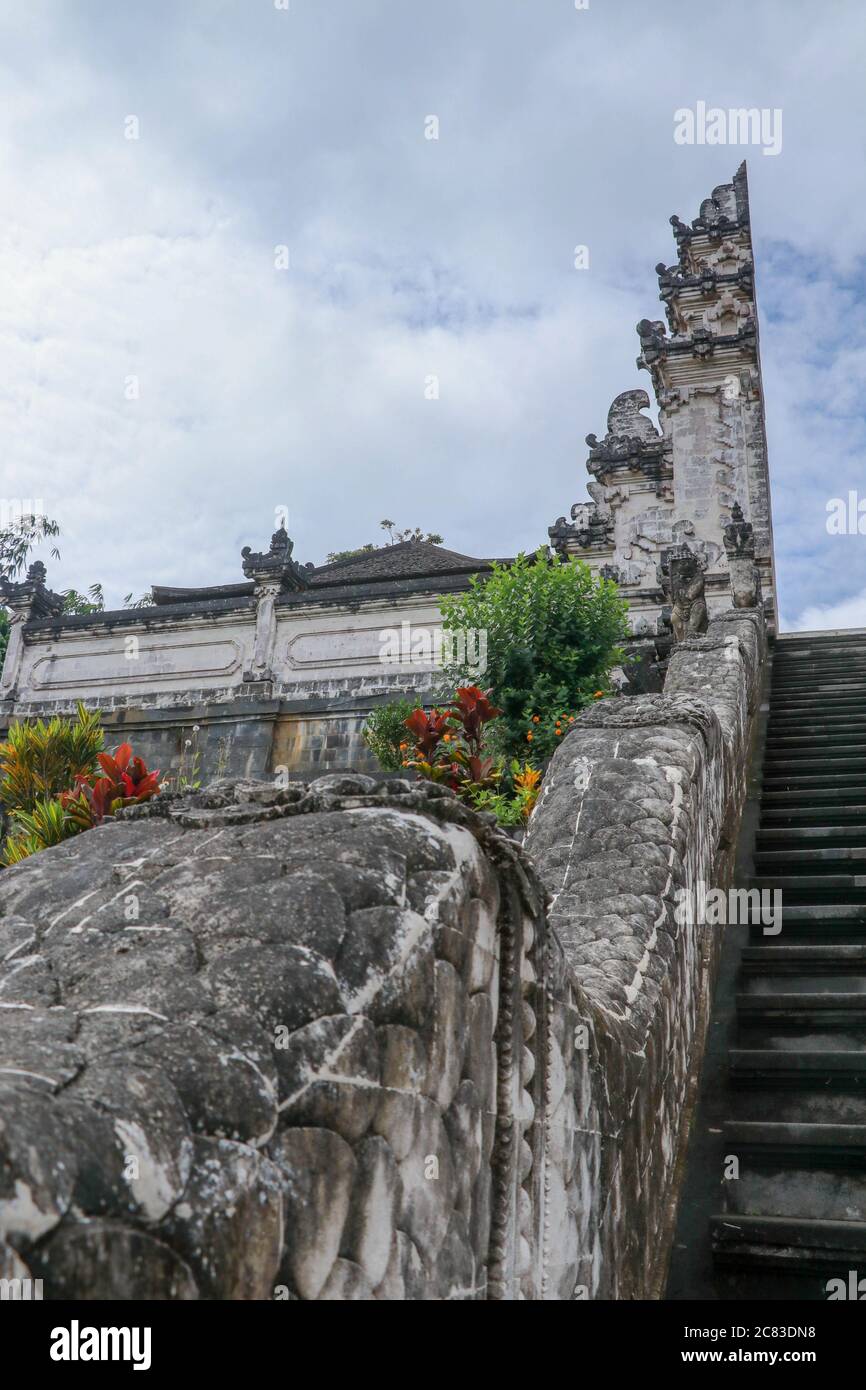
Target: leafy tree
[553,632]
[94,600]
[16,542]
[395,537]
[18,539]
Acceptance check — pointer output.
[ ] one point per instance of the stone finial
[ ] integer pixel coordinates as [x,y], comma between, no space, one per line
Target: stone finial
[632,442]
[27,599]
[739,538]
[275,567]
[739,534]
[31,595]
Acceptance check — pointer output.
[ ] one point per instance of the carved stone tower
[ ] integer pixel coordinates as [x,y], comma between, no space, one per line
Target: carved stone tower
[652,489]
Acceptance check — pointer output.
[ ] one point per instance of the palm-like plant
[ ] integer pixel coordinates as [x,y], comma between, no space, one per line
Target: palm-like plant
[42,759]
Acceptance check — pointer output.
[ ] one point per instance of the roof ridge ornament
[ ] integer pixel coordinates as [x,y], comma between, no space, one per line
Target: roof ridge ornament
[275,566]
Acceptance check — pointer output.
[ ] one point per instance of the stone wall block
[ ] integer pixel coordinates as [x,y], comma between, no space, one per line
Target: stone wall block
[318,1172]
[368,1235]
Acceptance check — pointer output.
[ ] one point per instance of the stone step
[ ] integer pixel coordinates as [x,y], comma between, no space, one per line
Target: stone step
[783,1242]
[827,686]
[812,760]
[817,1067]
[844,702]
[799,837]
[799,1105]
[818,816]
[816,1009]
[778,728]
[786,674]
[815,918]
[780,743]
[765,980]
[824,786]
[833,1145]
[806,794]
[837,955]
[769,859]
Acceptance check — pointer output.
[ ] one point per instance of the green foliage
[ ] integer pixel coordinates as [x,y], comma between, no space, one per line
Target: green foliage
[18,539]
[40,759]
[384,731]
[94,600]
[46,824]
[412,533]
[553,632]
[16,542]
[518,807]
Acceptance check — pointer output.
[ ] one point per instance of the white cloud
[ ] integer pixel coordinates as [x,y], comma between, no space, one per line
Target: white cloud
[409,258]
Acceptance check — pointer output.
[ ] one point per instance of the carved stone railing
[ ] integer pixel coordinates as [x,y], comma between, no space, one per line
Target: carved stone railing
[329,1042]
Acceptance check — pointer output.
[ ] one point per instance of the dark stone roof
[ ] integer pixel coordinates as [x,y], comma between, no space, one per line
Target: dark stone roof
[387,564]
[406,560]
[391,571]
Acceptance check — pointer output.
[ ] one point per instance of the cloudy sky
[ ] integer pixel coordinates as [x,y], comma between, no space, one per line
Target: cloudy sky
[165,384]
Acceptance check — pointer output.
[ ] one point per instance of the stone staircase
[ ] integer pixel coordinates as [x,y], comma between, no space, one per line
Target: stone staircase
[794,1100]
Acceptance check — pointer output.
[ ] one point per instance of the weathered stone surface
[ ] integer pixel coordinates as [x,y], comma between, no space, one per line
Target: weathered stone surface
[329,1075]
[229,1224]
[640,803]
[105,1261]
[318,1169]
[369,1232]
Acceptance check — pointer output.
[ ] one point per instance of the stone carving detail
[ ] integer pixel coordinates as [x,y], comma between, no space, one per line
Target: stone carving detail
[739,537]
[274,573]
[632,443]
[275,566]
[682,576]
[27,599]
[591,527]
[634,801]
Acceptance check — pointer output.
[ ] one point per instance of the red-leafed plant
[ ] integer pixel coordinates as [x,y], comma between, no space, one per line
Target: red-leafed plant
[126,782]
[449,742]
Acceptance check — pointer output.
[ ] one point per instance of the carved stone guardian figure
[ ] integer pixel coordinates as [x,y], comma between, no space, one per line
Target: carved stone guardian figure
[685,579]
[739,537]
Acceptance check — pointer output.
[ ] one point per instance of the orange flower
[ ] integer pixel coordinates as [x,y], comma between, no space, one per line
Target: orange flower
[571,719]
[558,733]
[599,695]
[404,745]
[529,738]
[446,738]
[536,718]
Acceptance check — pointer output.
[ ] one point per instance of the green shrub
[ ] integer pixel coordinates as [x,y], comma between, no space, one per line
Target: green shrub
[385,730]
[47,824]
[40,759]
[552,631]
